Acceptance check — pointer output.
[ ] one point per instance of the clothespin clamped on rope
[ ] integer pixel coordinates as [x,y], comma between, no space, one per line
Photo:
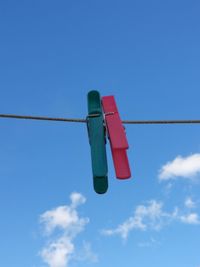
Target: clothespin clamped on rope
[97,138]
[117,137]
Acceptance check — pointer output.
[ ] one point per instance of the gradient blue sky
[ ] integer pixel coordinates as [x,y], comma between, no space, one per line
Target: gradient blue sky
[146,54]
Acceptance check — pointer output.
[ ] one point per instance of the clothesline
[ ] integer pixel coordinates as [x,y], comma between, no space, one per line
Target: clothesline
[77,120]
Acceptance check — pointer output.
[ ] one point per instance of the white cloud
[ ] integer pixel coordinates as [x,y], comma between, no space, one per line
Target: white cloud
[186,167]
[152,216]
[77,199]
[65,217]
[192,218]
[189,203]
[58,252]
[146,217]
[62,224]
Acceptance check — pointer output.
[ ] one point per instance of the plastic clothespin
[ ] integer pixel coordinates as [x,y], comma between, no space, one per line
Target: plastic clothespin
[117,137]
[96,132]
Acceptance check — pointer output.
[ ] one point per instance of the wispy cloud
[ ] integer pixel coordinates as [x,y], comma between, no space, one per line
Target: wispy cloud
[152,216]
[185,167]
[191,218]
[147,244]
[189,203]
[86,254]
[61,225]
[146,217]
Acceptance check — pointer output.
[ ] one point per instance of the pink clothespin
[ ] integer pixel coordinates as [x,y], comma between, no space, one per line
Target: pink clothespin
[117,137]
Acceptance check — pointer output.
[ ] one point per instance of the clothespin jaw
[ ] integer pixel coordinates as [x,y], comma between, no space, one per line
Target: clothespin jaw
[117,137]
[96,133]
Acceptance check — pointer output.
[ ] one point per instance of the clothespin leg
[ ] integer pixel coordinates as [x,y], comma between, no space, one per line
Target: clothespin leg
[120,159]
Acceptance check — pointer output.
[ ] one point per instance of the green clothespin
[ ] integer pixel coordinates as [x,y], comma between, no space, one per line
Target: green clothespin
[96,132]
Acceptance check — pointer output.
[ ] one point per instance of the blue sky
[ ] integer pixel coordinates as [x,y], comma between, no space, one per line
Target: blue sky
[146,54]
